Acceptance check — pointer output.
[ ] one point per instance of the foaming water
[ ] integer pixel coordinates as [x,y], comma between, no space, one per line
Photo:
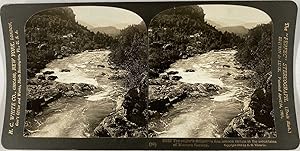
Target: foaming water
[74,76]
[205,117]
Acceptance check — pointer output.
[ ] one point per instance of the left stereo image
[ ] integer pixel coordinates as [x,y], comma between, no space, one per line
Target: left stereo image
[86,73]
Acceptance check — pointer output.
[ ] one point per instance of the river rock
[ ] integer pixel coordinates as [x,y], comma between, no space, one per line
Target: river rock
[65,70]
[226,66]
[189,70]
[172,72]
[159,105]
[163,95]
[176,78]
[211,87]
[162,82]
[42,92]
[135,103]
[52,77]
[48,72]
[165,77]
[101,66]
[40,76]
[117,126]
[59,57]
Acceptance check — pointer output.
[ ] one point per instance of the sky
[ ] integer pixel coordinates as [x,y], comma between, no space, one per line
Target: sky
[100,16]
[233,15]
[225,15]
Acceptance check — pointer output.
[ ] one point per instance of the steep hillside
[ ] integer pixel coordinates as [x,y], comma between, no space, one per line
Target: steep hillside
[255,53]
[54,33]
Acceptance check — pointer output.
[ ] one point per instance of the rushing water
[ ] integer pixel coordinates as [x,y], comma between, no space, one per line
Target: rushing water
[191,118]
[205,117]
[78,116]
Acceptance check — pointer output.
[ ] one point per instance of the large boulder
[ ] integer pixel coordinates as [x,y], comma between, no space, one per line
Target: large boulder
[118,126]
[176,78]
[164,93]
[42,92]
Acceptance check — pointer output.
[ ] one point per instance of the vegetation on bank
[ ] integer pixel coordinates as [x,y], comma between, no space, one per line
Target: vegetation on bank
[55,33]
[256,51]
[129,52]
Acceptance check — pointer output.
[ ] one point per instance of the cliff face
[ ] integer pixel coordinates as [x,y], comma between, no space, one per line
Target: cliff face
[258,119]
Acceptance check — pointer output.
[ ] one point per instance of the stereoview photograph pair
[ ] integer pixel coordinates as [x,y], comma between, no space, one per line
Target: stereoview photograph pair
[150,75]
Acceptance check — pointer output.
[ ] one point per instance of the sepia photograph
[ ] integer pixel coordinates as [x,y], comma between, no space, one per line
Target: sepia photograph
[197,71]
[86,73]
[210,73]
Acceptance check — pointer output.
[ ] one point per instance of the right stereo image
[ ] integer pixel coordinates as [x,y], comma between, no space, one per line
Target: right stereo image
[210,73]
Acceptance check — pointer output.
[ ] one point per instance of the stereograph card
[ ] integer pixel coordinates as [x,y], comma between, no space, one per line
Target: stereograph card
[150,75]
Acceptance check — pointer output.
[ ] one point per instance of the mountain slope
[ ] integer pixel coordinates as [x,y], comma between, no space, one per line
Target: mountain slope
[88,26]
[110,30]
[239,30]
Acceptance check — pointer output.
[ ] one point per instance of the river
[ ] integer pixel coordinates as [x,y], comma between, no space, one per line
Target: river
[191,118]
[77,117]
[206,117]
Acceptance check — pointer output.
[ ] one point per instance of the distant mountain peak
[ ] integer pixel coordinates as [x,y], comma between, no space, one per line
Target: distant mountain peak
[239,30]
[85,24]
[110,30]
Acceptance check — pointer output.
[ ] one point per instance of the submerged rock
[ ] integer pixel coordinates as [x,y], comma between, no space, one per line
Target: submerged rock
[189,70]
[101,66]
[226,66]
[172,72]
[48,72]
[176,78]
[52,77]
[65,70]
